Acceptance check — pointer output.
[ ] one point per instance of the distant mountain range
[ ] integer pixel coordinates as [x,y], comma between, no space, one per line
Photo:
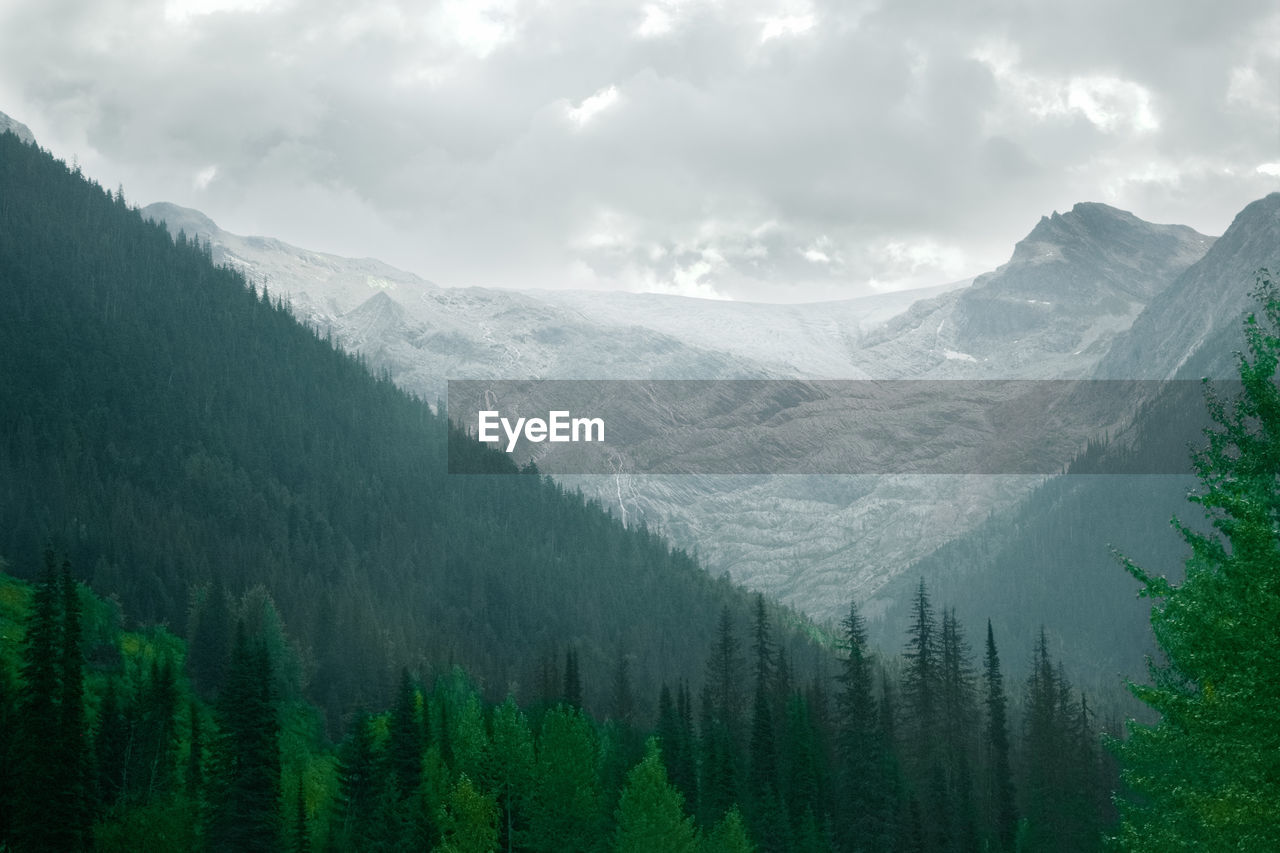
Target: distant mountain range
[1094,292]
[1077,281]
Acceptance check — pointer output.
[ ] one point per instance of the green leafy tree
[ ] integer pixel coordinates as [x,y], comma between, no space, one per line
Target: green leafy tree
[1207,775]
[650,814]
[469,820]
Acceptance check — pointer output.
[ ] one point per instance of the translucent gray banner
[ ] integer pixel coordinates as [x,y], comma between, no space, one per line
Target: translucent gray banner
[830,426]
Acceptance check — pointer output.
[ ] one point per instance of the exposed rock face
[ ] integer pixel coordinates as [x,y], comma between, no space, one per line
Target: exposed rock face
[17,128]
[1204,302]
[1076,282]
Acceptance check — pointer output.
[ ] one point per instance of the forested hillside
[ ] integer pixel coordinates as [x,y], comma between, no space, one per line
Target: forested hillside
[259,548]
[183,439]
[109,744]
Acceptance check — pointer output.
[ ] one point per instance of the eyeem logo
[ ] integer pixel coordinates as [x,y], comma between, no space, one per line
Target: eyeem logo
[558,426]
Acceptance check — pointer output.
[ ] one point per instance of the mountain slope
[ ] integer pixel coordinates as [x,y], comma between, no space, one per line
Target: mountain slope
[433,334]
[1048,560]
[1206,301]
[177,434]
[17,128]
[1074,283]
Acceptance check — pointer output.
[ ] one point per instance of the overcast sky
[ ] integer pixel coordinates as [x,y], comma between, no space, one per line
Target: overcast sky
[777,151]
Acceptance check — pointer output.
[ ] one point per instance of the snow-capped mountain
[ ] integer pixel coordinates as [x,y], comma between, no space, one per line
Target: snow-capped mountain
[1075,283]
[17,128]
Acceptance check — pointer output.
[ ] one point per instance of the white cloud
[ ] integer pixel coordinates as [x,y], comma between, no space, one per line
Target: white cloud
[785,25]
[477,26]
[204,177]
[182,11]
[592,106]
[1110,103]
[658,20]
[433,133]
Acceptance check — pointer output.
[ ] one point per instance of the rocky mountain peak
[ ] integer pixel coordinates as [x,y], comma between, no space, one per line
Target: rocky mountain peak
[17,128]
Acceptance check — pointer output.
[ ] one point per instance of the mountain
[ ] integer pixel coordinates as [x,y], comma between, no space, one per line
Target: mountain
[1048,561]
[17,128]
[1075,282]
[425,334]
[1205,302]
[814,340]
[185,440]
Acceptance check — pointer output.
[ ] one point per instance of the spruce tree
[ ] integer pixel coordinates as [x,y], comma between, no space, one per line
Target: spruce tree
[768,816]
[729,835]
[721,724]
[111,742]
[650,814]
[862,813]
[1002,816]
[54,808]
[572,679]
[565,809]
[920,678]
[404,750]
[1205,776]
[469,820]
[246,802]
[35,826]
[358,782]
[509,770]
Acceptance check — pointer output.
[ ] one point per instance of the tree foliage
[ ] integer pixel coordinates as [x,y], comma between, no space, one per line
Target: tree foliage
[1207,775]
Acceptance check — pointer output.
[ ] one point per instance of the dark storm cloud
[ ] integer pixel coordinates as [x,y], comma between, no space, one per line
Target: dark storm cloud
[775,150]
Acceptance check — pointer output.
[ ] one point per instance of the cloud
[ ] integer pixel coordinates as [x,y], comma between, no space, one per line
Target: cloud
[767,149]
[592,106]
[204,177]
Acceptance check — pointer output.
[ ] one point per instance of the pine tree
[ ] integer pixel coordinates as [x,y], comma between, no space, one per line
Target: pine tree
[721,724]
[54,809]
[624,704]
[8,754]
[154,769]
[1204,777]
[572,679]
[729,835]
[959,713]
[862,815]
[404,750]
[35,827]
[74,745]
[766,810]
[195,756]
[469,820]
[920,678]
[509,769]
[246,802]
[112,745]
[650,814]
[358,782]
[1002,816]
[301,833]
[565,811]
